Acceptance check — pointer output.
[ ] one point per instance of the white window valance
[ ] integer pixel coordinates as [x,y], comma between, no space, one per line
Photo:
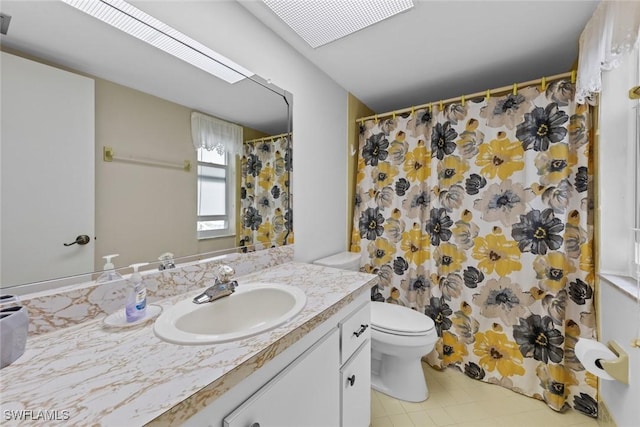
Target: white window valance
[610,35]
[214,134]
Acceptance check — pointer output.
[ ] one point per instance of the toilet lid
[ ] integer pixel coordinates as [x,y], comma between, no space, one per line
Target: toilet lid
[396,319]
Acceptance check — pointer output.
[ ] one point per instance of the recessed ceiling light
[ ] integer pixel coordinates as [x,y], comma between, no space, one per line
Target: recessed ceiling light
[135,22]
[321,22]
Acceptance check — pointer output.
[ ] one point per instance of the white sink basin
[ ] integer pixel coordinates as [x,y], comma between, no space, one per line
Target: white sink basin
[252,309]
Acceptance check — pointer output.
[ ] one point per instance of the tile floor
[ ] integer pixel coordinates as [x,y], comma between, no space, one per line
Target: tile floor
[458,401]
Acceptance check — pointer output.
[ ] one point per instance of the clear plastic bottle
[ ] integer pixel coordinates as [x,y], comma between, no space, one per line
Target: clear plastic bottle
[136,307]
[109,274]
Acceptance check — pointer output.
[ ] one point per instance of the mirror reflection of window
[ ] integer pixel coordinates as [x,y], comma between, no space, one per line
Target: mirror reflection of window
[215,192]
[216,142]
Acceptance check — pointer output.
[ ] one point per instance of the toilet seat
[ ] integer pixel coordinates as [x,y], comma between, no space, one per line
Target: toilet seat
[398,320]
[401,334]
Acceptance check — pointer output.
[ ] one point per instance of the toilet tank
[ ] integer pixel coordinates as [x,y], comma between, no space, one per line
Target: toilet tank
[342,260]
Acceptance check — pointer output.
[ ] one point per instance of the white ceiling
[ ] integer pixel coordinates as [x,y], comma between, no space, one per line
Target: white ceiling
[442,49]
[436,50]
[57,33]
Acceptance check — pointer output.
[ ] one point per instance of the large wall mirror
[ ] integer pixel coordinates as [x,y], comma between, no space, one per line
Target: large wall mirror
[144,202]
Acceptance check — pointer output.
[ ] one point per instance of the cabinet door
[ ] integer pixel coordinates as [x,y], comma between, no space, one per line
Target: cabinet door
[355,377]
[303,394]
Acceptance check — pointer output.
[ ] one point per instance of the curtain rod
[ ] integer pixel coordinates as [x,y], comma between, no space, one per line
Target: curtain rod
[265,138]
[488,92]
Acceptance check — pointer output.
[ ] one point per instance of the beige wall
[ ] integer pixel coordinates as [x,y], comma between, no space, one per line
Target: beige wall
[143,211]
[356,110]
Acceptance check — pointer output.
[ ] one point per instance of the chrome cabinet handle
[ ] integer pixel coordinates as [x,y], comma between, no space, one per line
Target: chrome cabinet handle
[351,380]
[361,330]
[80,240]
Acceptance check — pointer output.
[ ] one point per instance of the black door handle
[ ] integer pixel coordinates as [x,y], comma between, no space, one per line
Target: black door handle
[83,239]
[351,380]
[361,330]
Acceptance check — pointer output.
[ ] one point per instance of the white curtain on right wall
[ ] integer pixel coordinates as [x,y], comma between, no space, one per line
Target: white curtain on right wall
[609,36]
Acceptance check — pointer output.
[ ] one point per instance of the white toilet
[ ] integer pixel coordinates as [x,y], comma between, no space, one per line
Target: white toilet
[399,338]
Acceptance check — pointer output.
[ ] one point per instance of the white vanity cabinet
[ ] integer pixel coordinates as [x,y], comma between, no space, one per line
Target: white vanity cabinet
[355,372]
[355,385]
[322,380]
[302,395]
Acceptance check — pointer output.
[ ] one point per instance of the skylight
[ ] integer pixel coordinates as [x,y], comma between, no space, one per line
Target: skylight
[321,22]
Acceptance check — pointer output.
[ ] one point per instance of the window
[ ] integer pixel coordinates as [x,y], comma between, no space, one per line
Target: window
[619,175]
[216,194]
[216,143]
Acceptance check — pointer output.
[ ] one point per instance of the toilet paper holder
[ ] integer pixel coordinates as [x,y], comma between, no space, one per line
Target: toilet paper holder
[617,368]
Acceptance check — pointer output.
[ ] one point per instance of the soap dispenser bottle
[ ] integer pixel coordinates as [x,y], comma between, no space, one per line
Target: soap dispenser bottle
[109,274]
[136,307]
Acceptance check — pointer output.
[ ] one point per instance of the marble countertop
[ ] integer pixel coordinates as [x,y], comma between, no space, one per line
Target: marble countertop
[91,375]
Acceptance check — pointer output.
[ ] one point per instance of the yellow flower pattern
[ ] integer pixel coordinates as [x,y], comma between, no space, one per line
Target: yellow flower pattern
[451,170]
[414,244]
[495,253]
[556,380]
[381,251]
[266,179]
[417,164]
[452,350]
[552,270]
[477,215]
[500,157]
[586,261]
[384,174]
[265,218]
[496,352]
[555,164]
[448,258]
[265,233]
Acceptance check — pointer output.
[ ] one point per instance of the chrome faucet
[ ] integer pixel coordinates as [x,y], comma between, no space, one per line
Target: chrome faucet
[216,291]
[222,287]
[166,261]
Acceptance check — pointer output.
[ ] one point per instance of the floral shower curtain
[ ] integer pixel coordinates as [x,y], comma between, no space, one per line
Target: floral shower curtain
[265,199]
[479,216]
